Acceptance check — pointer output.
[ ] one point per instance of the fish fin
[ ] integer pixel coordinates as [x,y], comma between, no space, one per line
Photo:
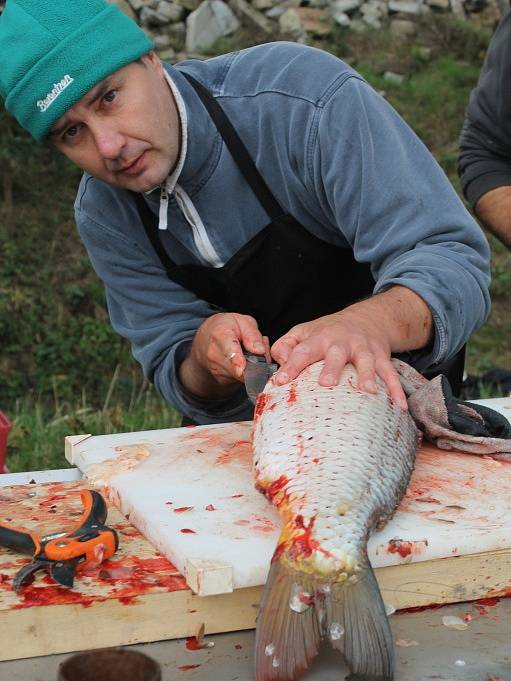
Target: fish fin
[356,624]
[286,640]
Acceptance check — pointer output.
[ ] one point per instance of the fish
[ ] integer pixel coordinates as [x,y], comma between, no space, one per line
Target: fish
[336,462]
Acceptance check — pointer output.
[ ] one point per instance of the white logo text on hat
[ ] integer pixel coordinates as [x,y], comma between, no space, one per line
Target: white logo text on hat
[57,90]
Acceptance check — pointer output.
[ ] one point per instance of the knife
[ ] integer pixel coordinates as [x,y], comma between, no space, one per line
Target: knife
[257,373]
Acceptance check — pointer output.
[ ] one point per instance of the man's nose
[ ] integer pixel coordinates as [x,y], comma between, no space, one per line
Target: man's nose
[109,141]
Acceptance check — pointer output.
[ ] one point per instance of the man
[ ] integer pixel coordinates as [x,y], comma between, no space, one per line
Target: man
[269,193]
[485,145]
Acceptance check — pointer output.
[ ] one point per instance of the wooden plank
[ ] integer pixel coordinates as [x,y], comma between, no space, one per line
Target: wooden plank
[139,596]
[71,441]
[32,477]
[30,632]
[446,580]
[52,629]
[208,577]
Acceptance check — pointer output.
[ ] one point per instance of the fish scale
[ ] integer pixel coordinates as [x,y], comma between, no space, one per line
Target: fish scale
[336,462]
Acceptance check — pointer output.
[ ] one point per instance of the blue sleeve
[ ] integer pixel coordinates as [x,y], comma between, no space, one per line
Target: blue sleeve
[383,189]
[157,316]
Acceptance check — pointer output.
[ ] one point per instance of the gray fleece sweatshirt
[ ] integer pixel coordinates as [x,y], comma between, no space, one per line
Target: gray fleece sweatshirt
[336,156]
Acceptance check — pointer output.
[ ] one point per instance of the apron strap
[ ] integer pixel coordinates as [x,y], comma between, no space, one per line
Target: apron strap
[238,150]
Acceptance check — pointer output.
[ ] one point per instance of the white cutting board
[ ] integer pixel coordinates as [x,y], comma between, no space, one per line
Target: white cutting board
[190,491]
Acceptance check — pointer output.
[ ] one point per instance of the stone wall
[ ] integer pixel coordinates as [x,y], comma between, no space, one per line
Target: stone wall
[181,27]
[189,27]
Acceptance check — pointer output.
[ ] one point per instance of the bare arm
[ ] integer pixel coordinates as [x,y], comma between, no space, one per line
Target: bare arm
[494,211]
[364,334]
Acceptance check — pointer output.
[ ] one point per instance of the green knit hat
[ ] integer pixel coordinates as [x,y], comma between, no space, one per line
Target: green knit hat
[52,52]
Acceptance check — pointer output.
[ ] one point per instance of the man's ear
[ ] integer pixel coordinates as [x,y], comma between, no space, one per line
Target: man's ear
[151,60]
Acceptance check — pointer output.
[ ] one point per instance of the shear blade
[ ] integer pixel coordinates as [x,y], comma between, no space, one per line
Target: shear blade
[26,574]
[64,572]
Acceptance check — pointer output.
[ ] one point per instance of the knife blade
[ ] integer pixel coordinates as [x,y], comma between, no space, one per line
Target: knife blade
[257,373]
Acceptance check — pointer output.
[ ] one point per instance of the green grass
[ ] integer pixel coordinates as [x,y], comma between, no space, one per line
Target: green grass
[36,441]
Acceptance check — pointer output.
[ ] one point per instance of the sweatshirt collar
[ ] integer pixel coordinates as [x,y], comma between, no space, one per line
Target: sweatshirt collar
[203,139]
[168,187]
[200,147]
[183,119]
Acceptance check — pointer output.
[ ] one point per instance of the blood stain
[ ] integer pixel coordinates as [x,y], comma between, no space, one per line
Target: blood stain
[404,548]
[183,509]
[292,395]
[186,667]
[187,530]
[210,507]
[488,601]
[192,643]
[261,404]
[239,452]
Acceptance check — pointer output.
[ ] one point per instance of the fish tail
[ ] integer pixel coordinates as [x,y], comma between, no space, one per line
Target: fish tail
[356,624]
[299,609]
[288,632]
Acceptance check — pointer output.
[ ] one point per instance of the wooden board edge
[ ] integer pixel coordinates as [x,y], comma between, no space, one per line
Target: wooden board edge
[71,441]
[446,580]
[45,630]
[209,578]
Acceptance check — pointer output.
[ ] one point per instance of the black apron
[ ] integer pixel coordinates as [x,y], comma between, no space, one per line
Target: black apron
[284,275]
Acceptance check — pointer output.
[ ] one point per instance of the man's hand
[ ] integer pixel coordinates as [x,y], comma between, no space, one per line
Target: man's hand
[364,334]
[215,365]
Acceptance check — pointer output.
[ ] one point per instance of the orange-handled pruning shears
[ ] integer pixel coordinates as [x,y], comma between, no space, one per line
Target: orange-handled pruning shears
[61,553]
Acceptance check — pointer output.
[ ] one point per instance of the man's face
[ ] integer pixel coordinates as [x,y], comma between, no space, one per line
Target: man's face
[126,130]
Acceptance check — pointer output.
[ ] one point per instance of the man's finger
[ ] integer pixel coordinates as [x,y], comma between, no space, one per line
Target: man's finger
[390,377]
[250,337]
[254,344]
[283,347]
[267,353]
[364,362]
[335,361]
[301,357]
[231,356]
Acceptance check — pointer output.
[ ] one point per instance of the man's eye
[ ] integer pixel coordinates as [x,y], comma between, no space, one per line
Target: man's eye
[110,96]
[72,131]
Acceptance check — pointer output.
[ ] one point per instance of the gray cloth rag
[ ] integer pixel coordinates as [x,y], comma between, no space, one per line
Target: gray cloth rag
[451,423]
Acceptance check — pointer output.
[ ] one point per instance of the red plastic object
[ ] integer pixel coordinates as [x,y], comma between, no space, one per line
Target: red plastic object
[5,427]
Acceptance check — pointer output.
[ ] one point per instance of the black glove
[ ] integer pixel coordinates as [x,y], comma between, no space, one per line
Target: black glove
[473,419]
